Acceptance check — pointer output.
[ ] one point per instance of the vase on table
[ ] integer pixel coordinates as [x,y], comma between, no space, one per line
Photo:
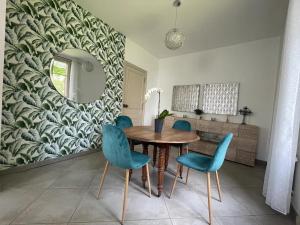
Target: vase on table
[158,125]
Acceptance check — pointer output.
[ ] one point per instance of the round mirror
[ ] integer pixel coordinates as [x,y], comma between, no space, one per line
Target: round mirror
[77,75]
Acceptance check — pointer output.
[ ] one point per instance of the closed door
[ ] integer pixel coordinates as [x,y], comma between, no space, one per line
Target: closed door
[134,92]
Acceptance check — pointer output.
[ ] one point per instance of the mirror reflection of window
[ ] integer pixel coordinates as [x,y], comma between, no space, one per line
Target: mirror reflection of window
[78,75]
[60,75]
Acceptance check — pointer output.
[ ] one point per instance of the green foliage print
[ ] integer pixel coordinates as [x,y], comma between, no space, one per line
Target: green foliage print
[37,122]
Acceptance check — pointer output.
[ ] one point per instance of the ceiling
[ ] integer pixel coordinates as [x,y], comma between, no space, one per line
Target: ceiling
[206,24]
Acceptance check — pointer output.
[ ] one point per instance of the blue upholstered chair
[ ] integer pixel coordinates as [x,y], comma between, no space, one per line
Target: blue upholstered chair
[182,125]
[117,153]
[123,122]
[126,122]
[207,165]
[178,125]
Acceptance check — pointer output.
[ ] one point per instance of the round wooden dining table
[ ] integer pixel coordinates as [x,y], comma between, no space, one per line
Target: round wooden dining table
[163,140]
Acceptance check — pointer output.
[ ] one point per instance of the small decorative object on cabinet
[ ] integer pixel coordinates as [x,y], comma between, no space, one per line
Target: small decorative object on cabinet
[199,112]
[242,148]
[245,111]
[159,121]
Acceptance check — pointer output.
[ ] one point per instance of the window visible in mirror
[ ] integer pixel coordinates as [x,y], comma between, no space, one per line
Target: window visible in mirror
[60,75]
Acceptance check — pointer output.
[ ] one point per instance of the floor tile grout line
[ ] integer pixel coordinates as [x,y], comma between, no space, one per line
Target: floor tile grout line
[80,200]
[91,182]
[247,206]
[165,203]
[167,208]
[30,204]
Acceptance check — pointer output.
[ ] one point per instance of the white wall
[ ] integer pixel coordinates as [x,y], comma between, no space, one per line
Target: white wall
[2,38]
[138,56]
[253,64]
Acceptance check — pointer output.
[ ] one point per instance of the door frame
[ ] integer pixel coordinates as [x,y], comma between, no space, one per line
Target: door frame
[126,65]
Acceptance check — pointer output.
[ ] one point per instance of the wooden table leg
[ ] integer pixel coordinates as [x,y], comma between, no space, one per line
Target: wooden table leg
[154,154]
[131,144]
[181,167]
[167,157]
[161,169]
[144,170]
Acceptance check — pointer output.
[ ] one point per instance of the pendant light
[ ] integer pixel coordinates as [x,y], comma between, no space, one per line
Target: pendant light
[174,38]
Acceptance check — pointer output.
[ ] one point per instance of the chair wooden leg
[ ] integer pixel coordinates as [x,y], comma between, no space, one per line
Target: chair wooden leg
[125,196]
[102,178]
[187,175]
[148,180]
[219,186]
[209,198]
[175,180]
[144,172]
[154,155]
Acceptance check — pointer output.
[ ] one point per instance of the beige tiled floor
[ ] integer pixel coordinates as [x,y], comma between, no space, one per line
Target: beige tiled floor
[65,193]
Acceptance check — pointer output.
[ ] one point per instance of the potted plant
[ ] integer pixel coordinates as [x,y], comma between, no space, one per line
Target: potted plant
[199,112]
[159,121]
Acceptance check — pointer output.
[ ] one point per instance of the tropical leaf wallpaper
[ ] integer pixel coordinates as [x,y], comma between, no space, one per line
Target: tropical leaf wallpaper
[37,122]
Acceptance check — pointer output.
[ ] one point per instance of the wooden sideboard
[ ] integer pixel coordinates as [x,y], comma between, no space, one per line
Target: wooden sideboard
[242,148]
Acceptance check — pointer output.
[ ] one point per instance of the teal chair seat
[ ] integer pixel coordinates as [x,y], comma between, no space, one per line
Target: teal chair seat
[195,161]
[139,160]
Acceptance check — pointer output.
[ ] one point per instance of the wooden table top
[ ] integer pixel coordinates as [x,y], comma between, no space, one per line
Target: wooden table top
[167,136]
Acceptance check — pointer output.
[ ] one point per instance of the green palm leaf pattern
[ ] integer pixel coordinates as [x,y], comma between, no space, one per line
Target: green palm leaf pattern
[37,122]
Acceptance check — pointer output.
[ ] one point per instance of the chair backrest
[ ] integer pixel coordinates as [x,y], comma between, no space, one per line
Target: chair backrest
[220,153]
[182,125]
[123,122]
[115,147]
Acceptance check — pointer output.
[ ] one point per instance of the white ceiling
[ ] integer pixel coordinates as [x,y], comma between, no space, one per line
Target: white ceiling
[206,24]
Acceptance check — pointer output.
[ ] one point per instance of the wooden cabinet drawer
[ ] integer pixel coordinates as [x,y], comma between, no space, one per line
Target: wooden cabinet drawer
[248,131]
[244,157]
[248,145]
[231,154]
